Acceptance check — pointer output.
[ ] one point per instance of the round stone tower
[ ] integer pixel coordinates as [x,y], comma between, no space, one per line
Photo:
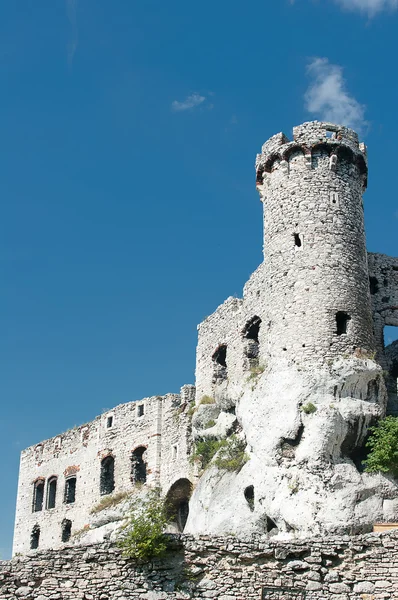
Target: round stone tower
[317,283]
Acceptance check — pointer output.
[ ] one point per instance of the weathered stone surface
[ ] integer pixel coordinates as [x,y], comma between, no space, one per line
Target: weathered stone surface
[229,568]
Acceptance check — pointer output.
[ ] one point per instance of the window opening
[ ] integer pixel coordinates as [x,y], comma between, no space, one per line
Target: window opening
[109,422]
[174,452]
[342,319]
[138,465]
[107,477]
[220,356]
[35,538]
[51,492]
[38,495]
[249,496]
[374,285]
[329,134]
[66,530]
[140,410]
[297,240]
[70,490]
[252,329]
[177,503]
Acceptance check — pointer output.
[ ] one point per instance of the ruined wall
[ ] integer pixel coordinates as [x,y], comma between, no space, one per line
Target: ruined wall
[148,425]
[361,568]
[226,326]
[383,274]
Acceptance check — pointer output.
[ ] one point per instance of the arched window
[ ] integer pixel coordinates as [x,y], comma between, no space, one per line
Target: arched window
[177,503]
[107,478]
[70,490]
[220,363]
[35,538]
[51,492]
[66,530]
[38,495]
[138,465]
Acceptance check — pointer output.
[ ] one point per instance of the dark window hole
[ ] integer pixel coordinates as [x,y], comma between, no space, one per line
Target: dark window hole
[66,530]
[249,496]
[220,355]
[271,524]
[252,329]
[35,538]
[140,410]
[138,465]
[38,496]
[297,240]
[51,492]
[374,285]
[107,476]
[342,319]
[109,422]
[70,490]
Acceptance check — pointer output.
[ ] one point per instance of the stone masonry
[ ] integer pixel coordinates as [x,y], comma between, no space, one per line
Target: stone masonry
[333,568]
[296,370]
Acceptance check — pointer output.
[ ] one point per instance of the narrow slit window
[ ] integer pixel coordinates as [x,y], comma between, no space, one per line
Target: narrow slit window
[298,240]
[70,490]
[38,496]
[140,410]
[342,320]
[35,538]
[107,477]
[109,422]
[66,530]
[51,492]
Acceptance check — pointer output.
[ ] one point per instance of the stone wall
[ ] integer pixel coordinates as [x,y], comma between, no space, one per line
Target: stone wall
[159,426]
[336,568]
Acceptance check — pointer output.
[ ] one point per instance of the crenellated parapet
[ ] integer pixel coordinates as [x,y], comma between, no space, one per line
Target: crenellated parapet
[339,142]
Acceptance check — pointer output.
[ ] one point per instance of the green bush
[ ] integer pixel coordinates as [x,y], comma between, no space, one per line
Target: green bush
[142,538]
[309,408]
[383,447]
[210,423]
[205,450]
[231,455]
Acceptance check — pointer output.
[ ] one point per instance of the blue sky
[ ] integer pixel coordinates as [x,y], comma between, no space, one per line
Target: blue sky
[128,207]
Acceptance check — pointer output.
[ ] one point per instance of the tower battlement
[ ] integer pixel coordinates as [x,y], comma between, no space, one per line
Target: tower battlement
[339,142]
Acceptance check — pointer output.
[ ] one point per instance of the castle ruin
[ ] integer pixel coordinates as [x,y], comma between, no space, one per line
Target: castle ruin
[296,369]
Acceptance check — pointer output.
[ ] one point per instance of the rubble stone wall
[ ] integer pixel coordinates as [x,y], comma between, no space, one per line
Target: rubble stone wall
[334,568]
[79,452]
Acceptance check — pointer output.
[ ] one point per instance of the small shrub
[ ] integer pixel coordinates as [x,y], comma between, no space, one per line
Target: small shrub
[383,447]
[108,502]
[232,455]
[207,400]
[309,408]
[142,538]
[205,450]
[210,423]
[364,354]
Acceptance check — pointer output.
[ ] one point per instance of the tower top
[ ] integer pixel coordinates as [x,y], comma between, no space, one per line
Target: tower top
[337,139]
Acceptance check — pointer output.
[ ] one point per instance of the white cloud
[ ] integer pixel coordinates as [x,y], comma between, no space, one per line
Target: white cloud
[371,7]
[190,102]
[328,98]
